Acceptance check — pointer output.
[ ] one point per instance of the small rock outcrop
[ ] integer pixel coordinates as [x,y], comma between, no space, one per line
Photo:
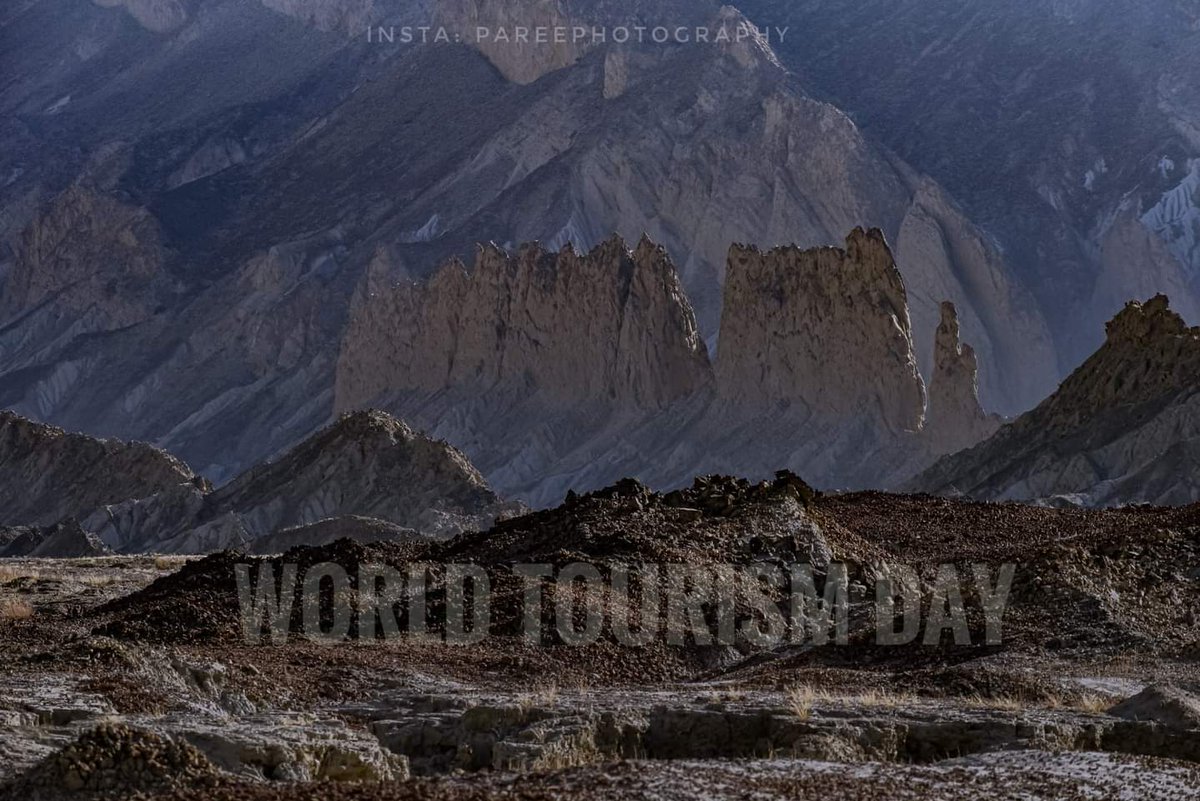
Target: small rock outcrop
[115,760]
[954,419]
[824,329]
[611,324]
[47,474]
[1123,428]
[65,540]
[367,464]
[1168,706]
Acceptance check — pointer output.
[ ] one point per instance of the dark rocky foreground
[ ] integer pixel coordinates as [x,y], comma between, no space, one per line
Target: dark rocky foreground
[130,675]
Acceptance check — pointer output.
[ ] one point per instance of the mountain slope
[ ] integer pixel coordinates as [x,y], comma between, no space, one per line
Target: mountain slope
[1122,428]
[367,464]
[568,371]
[1069,129]
[47,474]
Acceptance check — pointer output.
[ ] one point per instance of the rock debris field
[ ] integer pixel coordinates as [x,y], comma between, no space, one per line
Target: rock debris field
[131,677]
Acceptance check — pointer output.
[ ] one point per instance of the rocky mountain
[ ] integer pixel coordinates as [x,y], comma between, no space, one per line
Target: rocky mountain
[65,540]
[197,196]
[47,474]
[1123,428]
[612,325]
[826,330]
[955,418]
[367,465]
[330,530]
[1068,129]
[566,370]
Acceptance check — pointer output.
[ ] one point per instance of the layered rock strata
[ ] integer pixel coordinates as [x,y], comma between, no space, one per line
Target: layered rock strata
[367,464]
[47,474]
[1123,427]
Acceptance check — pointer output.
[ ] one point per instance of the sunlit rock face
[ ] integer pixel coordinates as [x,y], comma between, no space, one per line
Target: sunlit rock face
[825,329]
[955,420]
[612,324]
[1122,428]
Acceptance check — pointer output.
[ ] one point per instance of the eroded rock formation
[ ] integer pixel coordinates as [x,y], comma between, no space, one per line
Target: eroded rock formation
[611,324]
[1123,427]
[88,257]
[47,474]
[566,371]
[367,464]
[518,61]
[955,420]
[825,329]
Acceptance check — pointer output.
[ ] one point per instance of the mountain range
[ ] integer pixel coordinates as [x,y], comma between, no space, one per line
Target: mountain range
[227,223]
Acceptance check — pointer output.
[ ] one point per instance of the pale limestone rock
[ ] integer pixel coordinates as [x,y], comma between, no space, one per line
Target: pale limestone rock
[826,330]
[1124,427]
[616,74]
[519,62]
[955,420]
[570,328]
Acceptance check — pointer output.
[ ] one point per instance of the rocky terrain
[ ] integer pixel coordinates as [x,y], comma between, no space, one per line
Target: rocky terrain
[1070,131]
[826,330]
[1120,429]
[567,371]
[131,675]
[367,477]
[198,196]
[954,415]
[47,474]
[367,465]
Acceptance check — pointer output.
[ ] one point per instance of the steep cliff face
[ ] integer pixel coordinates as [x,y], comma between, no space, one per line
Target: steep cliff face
[1123,427]
[95,260]
[825,329]
[1046,121]
[367,464]
[520,61]
[567,371]
[955,420]
[612,324]
[47,474]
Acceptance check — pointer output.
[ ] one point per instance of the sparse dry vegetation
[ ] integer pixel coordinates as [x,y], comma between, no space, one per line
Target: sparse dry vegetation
[12,573]
[802,699]
[15,609]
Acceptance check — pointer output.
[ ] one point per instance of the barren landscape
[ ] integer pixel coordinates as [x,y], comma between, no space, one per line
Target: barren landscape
[464,399]
[129,675]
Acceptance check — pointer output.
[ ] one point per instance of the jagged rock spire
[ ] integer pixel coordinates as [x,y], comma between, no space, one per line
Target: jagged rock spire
[955,419]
